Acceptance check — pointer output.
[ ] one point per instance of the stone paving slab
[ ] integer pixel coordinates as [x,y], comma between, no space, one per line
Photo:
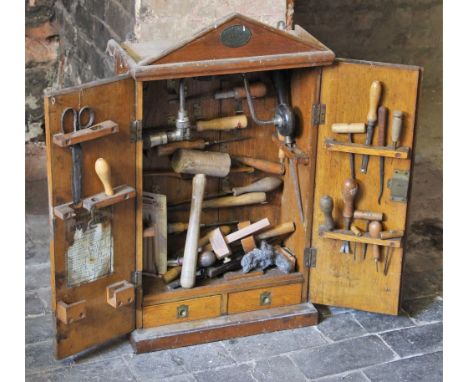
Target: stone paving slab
[39,329]
[37,276]
[425,310]
[416,340]
[279,368]
[341,327]
[34,305]
[427,368]
[271,344]
[342,356]
[350,377]
[236,373]
[376,323]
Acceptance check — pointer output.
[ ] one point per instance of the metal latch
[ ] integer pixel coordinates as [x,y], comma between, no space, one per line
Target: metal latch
[136,130]
[318,114]
[399,184]
[310,257]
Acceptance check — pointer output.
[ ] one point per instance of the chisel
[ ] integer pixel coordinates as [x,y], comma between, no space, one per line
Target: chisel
[381,132]
[200,144]
[374,98]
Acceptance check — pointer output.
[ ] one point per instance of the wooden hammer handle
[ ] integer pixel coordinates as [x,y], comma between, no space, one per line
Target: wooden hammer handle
[247,231]
[171,148]
[261,164]
[266,184]
[368,215]
[278,230]
[189,267]
[225,123]
[236,201]
[348,128]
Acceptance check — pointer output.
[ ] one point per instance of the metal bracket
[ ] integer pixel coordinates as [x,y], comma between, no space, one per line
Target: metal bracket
[310,257]
[136,130]
[318,114]
[137,279]
[399,184]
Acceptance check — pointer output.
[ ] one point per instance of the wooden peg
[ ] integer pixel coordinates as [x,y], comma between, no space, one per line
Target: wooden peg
[103,171]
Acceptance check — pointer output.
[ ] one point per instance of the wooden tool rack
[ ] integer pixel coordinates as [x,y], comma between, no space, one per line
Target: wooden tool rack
[141,96]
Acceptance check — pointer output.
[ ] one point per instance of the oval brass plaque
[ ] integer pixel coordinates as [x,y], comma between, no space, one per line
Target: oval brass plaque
[236,36]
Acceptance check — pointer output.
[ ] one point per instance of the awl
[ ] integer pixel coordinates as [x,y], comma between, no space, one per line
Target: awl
[374,98]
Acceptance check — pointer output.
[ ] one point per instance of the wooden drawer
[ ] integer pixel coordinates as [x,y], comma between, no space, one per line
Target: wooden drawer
[181,311]
[264,298]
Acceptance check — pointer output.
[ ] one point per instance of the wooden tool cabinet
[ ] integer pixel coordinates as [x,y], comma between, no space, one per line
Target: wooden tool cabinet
[141,95]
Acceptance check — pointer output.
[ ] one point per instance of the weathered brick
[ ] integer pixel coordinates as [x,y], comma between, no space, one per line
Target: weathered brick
[427,368]
[343,356]
[416,340]
[265,345]
[341,326]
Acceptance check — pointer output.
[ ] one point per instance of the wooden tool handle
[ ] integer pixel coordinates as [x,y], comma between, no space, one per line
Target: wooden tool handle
[382,124]
[247,231]
[261,164]
[349,191]
[170,148]
[341,128]
[257,90]
[236,201]
[375,227]
[391,234]
[225,123]
[171,274]
[189,267]
[374,98]
[176,227]
[278,230]
[356,230]
[210,163]
[368,215]
[266,184]
[103,171]
[281,154]
[396,126]
[326,206]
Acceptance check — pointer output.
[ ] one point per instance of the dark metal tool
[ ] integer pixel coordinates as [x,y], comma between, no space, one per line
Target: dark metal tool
[374,98]
[381,133]
[200,144]
[77,152]
[351,158]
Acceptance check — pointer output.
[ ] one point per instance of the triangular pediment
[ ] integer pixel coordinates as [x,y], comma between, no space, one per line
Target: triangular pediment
[233,37]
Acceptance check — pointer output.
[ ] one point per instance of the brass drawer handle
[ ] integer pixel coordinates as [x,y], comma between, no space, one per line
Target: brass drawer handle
[182,311]
[265,298]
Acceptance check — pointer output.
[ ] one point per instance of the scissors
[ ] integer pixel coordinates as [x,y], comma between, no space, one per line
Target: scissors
[77,152]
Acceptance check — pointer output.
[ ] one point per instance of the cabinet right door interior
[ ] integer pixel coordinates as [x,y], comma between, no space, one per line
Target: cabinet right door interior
[367,278]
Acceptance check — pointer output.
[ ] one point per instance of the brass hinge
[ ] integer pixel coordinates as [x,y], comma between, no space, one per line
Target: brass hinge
[318,114]
[136,130]
[310,257]
[137,279]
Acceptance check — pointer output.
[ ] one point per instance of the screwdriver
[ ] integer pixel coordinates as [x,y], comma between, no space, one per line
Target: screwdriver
[375,227]
[381,131]
[396,127]
[349,191]
[374,98]
[170,148]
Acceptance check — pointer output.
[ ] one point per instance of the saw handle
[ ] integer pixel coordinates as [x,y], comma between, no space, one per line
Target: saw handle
[103,171]
[374,98]
[225,123]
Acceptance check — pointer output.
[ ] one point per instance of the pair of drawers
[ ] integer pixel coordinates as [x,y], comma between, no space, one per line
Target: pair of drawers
[214,306]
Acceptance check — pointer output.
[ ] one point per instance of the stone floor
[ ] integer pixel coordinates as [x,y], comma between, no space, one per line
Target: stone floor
[347,345]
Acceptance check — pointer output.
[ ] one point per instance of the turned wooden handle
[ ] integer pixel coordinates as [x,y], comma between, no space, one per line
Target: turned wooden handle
[225,123]
[261,164]
[171,274]
[266,184]
[341,128]
[374,98]
[382,124]
[326,206]
[375,227]
[204,241]
[349,191]
[236,201]
[356,230]
[103,171]
[257,90]
[368,215]
[171,148]
[189,267]
[278,230]
[391,234]
[396,126]
[281,154]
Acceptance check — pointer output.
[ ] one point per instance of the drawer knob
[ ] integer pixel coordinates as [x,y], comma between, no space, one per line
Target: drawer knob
[265,298]
[182,311]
